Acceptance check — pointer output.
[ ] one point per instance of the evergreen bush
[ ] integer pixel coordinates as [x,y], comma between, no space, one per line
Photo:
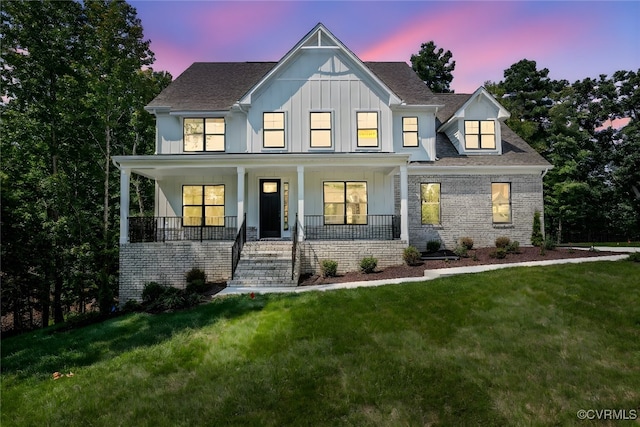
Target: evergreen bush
[329,268]
[368,265]
[411,256]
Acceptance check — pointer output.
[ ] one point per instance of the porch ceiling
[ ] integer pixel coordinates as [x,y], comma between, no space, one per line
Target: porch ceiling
[165,165]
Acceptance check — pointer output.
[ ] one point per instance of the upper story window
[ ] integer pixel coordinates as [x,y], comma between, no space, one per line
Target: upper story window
[409,131]
[501,202]
[320,130]
[367,128]
[479,134]
[273,130]
[204,134]
[203,205]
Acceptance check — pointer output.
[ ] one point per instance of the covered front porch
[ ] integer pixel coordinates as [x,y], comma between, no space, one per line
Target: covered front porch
[327,196]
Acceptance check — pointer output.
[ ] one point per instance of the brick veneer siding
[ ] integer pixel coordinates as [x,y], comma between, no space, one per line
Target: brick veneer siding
[167,263]
[348,254]
[466,209]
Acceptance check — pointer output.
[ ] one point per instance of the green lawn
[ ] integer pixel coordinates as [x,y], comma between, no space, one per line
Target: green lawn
[521,346]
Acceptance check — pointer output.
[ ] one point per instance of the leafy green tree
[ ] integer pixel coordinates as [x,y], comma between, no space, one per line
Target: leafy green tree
[434,66]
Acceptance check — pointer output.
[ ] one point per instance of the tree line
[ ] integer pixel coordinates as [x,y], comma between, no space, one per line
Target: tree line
[75,79]
[588,130]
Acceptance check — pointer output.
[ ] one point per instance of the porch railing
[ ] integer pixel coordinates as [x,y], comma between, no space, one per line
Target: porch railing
[166,229]
[294,248]
[377,227]
[236,250]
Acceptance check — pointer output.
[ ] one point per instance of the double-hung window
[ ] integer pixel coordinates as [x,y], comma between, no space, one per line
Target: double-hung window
[320,130]
[367,122]
[409,131]
[501,202]
[345,202]
[204,134]
[480,134]
[430,203]
[203,205]
[273,130]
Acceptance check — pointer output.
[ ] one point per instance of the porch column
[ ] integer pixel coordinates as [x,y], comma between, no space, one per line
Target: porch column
[240,192]
[301,202]
[124,205]
[404,212]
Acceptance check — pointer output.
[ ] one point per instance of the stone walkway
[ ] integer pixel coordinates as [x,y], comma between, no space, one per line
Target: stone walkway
[429,274]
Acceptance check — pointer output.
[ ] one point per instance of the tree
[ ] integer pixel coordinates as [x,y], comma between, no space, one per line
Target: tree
[434,67]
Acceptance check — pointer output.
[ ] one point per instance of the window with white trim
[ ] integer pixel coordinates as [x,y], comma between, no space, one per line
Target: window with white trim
[367,128]
[479,134]
[202,205]
[501,202]
[273,130]
[345,202]
[409,131]
[320,129]
[430,203]
[204,134]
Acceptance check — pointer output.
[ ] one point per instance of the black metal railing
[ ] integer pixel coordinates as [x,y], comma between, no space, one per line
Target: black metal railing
[371,227]
[236,250]
[294,247]
[166,229]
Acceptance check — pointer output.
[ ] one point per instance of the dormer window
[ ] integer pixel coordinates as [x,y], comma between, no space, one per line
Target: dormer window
[409,131]
[479,135]
[204,134]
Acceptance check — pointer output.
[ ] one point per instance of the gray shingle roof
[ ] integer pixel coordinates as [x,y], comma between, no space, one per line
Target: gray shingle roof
[403,81]
[211,86]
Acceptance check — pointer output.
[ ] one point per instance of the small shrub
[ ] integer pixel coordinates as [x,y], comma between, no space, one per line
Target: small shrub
[368,265]
[152,291]
[131,306]
[634,257]
[536,233]
[329,268]
[196,274]
[461,251]
[475,257]
[499,253]
[502,242]
[549,243]
[467,242]
[513,247]
[411,256]
[433,245]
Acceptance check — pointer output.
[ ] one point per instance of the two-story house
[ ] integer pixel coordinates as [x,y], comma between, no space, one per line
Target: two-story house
[333,157]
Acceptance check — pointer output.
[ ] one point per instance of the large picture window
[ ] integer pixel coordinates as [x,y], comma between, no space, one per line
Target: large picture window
[367,128]
[320,130]
[410,131]
[273,130]
[480,134]
[345,202]
[501,202]
[204,134]
[430,203]
[203,205]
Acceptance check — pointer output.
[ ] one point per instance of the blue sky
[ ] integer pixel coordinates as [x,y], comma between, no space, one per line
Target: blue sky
[573,39]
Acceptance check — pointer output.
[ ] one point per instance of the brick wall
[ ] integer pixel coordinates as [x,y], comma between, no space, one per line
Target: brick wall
[348,254]
[466,209]
[167,263]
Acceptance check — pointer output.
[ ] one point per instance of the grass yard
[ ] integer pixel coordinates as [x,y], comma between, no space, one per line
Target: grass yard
[521,346]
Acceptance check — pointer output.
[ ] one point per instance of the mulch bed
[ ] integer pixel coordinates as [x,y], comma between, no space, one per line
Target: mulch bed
[482,256]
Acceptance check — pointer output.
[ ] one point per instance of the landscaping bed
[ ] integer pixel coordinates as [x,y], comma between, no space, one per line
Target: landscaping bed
[479,256]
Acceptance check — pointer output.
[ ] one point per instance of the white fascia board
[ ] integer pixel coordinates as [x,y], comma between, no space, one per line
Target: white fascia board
[199,114]
[156,110]
[417,107]
[246,99]
[478,170]
[260,160]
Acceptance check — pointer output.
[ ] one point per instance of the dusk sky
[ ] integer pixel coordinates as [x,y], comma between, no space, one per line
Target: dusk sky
[574,39]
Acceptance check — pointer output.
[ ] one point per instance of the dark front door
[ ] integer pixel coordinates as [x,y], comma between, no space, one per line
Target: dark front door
[269,208]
